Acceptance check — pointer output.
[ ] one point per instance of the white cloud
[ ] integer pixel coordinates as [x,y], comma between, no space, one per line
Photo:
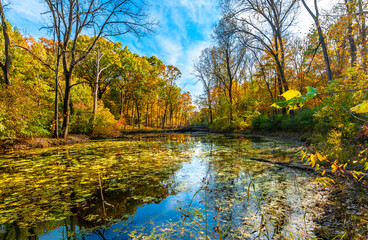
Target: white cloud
[185,28]
[28,9]
[171,49]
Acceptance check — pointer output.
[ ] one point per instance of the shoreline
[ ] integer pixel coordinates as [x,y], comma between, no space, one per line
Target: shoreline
[9,145]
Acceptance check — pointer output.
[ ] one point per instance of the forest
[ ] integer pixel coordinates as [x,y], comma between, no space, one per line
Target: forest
[260,76]
[287,115]
[80,84]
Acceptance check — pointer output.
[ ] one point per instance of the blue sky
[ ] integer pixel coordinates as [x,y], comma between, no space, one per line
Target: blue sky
[184,30]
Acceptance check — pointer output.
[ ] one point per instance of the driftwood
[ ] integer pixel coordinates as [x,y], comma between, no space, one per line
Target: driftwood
[308,168]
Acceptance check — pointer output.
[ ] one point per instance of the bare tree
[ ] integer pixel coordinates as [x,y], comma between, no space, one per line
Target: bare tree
[204,74]
[5,66]
[265,25]
[321,37]
[228,58]
[104,18]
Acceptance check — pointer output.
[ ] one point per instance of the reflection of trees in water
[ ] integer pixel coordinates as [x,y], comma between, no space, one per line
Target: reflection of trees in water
[230,175]
[131,174]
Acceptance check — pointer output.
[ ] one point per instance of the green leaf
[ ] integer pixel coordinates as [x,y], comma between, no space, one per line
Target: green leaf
[80,200]
[310,95]
[280,104]
[360,108]
[300,99]
[289,94]
[312,90]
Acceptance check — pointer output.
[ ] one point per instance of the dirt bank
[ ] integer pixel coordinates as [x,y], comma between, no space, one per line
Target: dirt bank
[8,145]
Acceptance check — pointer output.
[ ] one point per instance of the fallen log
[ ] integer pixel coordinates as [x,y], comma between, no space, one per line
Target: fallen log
[309,168]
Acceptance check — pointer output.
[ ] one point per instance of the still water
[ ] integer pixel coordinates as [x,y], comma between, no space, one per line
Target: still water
[158,186]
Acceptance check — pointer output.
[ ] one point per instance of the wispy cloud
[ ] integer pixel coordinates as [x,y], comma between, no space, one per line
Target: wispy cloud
[185,28]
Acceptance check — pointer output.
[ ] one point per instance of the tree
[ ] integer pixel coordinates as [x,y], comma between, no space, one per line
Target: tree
[263,26]
[169,92]
[321,37]
[228,57]
[100,68]
[5,66]
[104,18]
[204,74]
[363,34]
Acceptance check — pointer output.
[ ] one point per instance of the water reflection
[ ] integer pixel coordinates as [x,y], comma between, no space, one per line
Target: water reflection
[143,185]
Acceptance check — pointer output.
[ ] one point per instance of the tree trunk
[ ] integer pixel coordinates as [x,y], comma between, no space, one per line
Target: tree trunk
[96,85]
[158,117]
[56,110]
[66,107]
[321,38]
[164,117]
[210,106]
[132,121]
[147,117]
[363,35]
[6,65]
[353,49]
[151,121]
[122,103]
[138,116]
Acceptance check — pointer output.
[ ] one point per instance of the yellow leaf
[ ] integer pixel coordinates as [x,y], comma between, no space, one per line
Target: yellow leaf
[325,180]
[289,94]
[320,157]
[275,105]
[334,167]
[313,159]
[360,108]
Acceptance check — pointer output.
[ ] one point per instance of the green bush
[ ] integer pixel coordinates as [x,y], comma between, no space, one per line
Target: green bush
[302,121]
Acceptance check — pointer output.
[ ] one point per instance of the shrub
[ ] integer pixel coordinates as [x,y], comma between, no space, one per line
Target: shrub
[105,124]
[24,111]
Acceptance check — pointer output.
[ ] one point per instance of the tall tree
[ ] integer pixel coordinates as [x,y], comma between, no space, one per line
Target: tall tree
[229,58]
[350,9]
[321,36]
[5,66]
[204,74]
[169,92]
[265,25]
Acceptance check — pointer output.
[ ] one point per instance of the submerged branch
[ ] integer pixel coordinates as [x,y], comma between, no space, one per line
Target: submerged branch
[307,168]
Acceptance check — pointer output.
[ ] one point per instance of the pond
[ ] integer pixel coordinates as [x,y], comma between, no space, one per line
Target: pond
[158,186]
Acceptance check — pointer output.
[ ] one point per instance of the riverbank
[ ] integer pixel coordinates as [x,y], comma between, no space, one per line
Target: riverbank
[8,145]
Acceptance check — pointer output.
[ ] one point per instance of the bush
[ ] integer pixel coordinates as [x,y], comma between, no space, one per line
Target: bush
[302,122]
[80,120]
[105,124]
[24,111]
